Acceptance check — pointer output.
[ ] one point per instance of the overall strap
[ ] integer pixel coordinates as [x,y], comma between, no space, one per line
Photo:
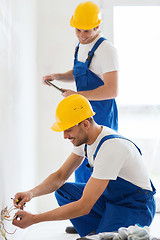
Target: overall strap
[76,51]
[85,150]
[105,138]
[91,53]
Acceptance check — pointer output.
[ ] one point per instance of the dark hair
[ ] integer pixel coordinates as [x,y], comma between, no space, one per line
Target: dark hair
[90,119]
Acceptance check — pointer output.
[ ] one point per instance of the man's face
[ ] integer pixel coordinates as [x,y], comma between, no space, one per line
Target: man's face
[86,36]
[77,135]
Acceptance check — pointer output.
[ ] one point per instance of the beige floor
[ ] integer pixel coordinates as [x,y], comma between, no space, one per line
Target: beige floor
[55,231]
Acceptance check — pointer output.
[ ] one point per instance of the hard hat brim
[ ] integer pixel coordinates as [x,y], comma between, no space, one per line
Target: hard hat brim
[82,26]
[56,128]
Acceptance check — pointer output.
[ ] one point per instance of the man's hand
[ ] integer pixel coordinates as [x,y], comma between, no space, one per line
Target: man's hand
[68,92]
[50,77]
[23,219]
[23,197]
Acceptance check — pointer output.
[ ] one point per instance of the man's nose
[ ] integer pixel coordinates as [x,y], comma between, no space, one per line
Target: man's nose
[65,134]
[82,34]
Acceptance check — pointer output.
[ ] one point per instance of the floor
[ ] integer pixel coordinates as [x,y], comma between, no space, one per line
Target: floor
[56,231]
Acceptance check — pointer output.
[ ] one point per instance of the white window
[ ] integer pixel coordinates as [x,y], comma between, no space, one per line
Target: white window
[134,28]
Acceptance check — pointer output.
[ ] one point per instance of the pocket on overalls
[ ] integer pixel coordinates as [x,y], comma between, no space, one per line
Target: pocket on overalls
[81,79]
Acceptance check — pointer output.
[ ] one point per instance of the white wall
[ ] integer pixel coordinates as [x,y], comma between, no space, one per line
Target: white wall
[17,105]
[55,50]
[17,98]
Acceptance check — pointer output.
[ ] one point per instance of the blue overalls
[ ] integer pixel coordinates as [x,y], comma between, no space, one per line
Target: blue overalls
[106,110]
[122,204]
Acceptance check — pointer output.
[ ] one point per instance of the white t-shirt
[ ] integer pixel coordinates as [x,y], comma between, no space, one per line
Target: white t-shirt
[116,158]
[105,57]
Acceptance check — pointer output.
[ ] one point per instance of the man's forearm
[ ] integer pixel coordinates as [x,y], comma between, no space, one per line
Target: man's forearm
[49,185]
[66,77]
[100,93]
[69,211]
[107,91]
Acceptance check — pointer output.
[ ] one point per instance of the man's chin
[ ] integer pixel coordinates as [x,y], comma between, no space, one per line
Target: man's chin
[76,144]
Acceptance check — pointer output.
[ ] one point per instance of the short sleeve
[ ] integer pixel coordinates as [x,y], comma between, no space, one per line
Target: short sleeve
[79,150]
[108,162]
[108,53]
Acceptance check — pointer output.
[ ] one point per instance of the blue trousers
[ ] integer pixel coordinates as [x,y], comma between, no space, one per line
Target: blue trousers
[107,216]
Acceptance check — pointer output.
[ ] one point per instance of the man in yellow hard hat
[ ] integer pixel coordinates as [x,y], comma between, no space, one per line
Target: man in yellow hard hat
[95,70]
[119,192]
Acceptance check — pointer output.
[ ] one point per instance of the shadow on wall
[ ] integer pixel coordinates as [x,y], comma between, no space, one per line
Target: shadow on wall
[17,105]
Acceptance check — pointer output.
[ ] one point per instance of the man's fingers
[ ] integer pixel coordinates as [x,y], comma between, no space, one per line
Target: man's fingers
[19,203]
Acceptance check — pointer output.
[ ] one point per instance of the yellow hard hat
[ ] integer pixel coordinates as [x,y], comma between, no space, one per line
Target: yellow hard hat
[86,16]
[71,111]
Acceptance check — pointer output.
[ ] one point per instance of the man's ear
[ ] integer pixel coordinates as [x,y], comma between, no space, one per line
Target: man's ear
[96,28]
[86,124]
